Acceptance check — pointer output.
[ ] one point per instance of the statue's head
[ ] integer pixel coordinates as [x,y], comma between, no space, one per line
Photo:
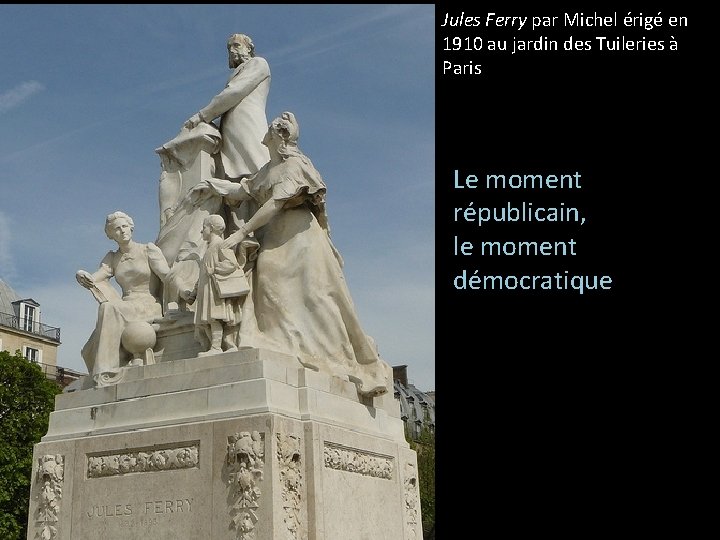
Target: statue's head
[114,220]
[215,222]
[286,127]
[282,134]
[240,48]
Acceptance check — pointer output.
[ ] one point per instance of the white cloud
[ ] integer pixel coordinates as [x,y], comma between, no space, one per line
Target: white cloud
[16,96]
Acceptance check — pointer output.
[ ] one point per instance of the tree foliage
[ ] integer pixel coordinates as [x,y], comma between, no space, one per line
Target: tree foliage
[27,398]
[425,448]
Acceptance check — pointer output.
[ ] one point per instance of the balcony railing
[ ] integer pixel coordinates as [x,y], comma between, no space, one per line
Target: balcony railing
[63,376]
[27,325]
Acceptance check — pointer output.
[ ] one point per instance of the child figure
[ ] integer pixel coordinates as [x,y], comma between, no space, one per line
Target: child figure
[217,317]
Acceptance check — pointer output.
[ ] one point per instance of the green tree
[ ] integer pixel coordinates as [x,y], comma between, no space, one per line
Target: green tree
[424,445]
[27,398]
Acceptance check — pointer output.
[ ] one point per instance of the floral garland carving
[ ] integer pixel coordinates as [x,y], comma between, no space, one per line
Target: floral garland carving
[357,461]
[166,459]
[291,480]
[244,472]
[412,504]
[50,475]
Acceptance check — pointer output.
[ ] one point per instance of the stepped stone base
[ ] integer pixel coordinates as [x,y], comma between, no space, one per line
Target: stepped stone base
[244,445]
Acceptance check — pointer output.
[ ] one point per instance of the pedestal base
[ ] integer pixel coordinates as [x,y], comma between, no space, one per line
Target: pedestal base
[244,445]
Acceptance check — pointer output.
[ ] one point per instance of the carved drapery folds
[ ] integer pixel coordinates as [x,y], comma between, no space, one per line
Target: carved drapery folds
[291,481]
[245,462]
[357,461]
[50,474]
[134,461]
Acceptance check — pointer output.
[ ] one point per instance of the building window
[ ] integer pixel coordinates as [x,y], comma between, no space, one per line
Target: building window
[31,354]
[29,318]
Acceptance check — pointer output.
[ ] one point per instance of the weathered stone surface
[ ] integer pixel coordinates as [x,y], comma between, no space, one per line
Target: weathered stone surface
[260,475]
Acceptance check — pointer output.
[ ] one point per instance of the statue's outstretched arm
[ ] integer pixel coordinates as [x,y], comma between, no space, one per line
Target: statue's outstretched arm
[262,217]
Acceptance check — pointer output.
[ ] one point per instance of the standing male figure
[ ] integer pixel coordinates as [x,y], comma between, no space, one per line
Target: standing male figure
[241,106]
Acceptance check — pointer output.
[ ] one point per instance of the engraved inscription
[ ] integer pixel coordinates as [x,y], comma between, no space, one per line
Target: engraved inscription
[109,510]
[164,506]
[171,506]
[358,461]
[179,456]
[50,475]
[243,472]
[289,458]
[141,522]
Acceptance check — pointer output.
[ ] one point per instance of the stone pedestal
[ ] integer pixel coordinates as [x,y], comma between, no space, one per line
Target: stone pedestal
[176,337]
[244,445]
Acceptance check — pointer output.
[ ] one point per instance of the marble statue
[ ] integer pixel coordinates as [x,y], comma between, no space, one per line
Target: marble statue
[202,150]
[299,303]
[242,397]
[123,330]
[270,207]
[241,106]
[218,312]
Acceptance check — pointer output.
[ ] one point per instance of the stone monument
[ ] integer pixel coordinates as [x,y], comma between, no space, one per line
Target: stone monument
[284,427]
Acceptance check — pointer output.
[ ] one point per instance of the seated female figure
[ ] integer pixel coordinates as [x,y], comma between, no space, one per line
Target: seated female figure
[139,270]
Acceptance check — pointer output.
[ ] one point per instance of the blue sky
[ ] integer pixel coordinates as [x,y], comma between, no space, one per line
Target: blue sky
[87,92]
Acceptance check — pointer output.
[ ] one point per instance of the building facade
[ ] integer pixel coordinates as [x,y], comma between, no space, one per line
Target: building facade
[22,329]
[417,408]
